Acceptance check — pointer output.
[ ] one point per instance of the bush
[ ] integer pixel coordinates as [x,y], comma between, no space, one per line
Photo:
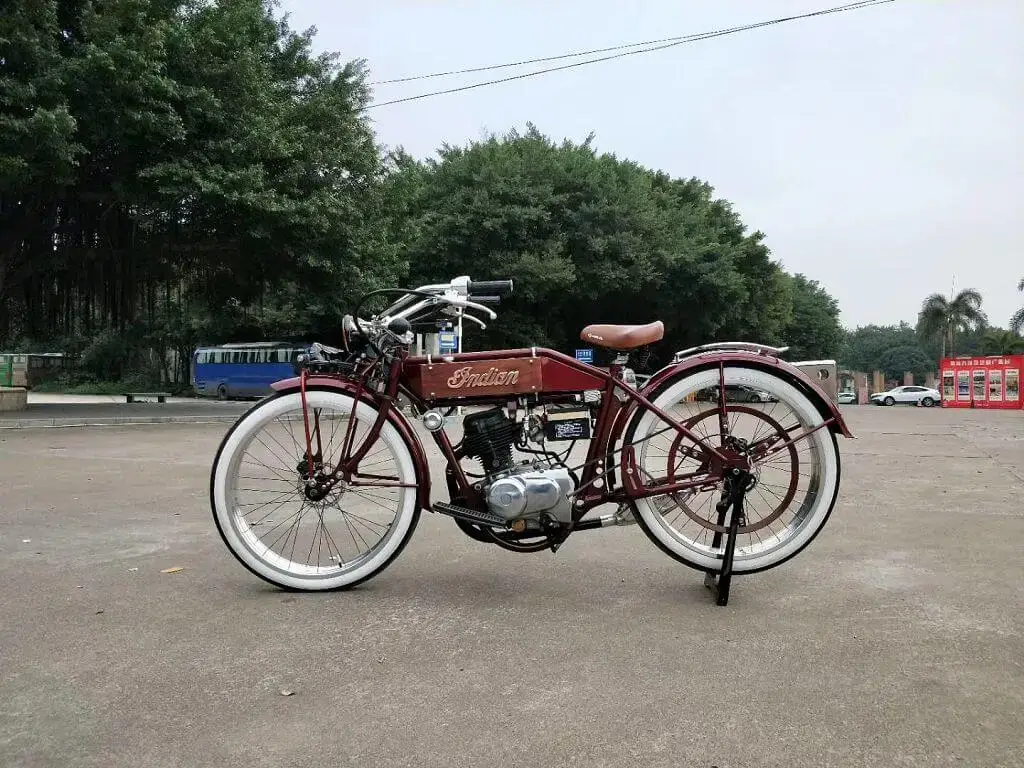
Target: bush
[106,357]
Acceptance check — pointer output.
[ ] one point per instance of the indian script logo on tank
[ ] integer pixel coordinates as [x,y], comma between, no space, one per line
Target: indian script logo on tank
[469,378]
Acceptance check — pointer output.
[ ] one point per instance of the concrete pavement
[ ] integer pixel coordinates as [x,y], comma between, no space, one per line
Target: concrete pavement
[895,640]
[56,410]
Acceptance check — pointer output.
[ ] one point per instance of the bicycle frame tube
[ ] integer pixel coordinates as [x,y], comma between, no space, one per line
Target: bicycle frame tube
[558,374]
[385,403]
[430,381]
[617,396]
[346,467]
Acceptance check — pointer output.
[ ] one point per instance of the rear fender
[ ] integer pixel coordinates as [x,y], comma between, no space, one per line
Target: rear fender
[395,417]
[695,362]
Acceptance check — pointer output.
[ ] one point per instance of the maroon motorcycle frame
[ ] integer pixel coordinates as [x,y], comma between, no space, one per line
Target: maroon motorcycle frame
[504,376]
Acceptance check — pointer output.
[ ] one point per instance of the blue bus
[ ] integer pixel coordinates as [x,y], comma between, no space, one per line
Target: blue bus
[243,370]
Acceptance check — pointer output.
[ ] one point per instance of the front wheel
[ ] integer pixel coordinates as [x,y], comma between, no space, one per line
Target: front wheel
[796,485]
[889,401]
[267,520]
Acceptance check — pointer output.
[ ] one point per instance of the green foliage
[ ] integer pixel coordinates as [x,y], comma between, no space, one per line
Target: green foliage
[78,385]
[865,348]
[944,318]
[589,238]
[37,148]
[1001,342]
[1017,321]
[106,357]
[896,361]
[889,347]
[181,159]
[813,332]
[177,172]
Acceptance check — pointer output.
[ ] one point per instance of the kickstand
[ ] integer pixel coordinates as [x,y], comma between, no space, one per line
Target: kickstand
[734,491]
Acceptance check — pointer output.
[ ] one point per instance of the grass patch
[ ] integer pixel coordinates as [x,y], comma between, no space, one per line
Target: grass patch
[67,386]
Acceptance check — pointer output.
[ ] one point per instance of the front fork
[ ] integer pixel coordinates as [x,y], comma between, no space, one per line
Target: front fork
[319,484]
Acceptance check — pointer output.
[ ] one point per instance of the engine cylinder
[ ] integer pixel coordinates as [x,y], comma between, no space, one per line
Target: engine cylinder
[488,436]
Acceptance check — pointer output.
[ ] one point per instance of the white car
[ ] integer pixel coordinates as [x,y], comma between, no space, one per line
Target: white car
[908,395]
[845,398]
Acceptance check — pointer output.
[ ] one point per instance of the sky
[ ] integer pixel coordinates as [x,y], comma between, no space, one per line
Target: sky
[881,150]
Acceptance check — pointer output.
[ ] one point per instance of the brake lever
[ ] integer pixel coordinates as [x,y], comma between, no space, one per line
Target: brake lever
[486,310]
[475,319]
[457,305]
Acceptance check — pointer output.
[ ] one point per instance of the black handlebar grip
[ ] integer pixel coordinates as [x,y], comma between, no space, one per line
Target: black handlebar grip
[493,287]
[487,299]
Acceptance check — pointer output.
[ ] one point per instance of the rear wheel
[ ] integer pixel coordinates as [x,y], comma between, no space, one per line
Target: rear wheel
[281,534]
[796,484]
[927,402]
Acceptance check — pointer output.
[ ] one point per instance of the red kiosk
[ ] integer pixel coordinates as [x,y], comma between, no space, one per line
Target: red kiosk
[992,381]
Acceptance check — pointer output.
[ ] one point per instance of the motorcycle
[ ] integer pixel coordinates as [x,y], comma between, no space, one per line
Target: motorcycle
[331,462]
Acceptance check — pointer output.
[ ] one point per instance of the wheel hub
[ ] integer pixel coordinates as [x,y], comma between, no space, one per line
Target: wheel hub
[320,486]
[316,491]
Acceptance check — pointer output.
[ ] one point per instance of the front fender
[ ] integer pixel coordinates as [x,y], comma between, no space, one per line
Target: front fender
[793,375]
[395,417]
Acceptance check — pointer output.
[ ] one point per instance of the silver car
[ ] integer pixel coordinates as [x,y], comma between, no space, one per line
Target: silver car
[908,395]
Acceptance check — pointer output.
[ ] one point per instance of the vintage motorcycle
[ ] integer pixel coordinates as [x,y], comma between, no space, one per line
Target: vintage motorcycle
[320,485]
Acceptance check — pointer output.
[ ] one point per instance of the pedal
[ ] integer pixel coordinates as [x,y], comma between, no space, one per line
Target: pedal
[470,515]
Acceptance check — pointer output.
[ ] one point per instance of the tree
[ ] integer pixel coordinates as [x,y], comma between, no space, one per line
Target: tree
[813,332]
[867,347]
[38,149]
[1000,342]
[896,361]
[1017,321]
[944,318]
[590,238]
[183,171]
[190,166]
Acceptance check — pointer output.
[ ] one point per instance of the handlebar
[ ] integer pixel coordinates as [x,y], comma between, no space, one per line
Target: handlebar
[414,305]
[497,288]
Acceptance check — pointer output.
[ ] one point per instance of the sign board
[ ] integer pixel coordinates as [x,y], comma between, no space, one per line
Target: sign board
[447,341]
[990,381]
[585,355]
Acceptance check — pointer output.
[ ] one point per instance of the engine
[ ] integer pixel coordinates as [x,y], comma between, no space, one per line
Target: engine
[514,492]
[528,492]
[488,436]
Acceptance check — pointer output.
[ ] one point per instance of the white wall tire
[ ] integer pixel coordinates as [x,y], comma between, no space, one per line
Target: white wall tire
[282,571]
[810,515]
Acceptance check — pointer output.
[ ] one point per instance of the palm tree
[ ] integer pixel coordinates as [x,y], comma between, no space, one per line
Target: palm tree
[1017,321]
[1000,342]
[947,317]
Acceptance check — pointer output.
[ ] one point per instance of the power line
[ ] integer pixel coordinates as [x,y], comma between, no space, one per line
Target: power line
[592,51]
[540,60]
[673,42]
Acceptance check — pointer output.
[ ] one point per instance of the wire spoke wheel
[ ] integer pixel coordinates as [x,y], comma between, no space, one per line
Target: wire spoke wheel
[796,475]
[777,478]
[297,538]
